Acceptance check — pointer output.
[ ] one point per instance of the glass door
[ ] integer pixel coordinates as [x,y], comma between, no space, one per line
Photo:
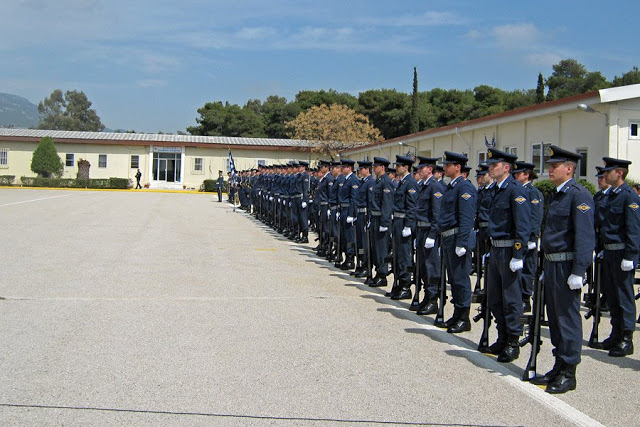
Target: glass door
[162,170]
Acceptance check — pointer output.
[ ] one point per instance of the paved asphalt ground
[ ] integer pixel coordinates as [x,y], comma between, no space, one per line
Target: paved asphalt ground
[170,309]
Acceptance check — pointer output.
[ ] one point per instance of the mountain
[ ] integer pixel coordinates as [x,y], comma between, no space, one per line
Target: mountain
[18,112]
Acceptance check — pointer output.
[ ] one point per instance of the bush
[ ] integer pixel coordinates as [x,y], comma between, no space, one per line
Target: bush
[589,186]
[7,179]
[110,183]
[45,161]
[121,183]
[210,185]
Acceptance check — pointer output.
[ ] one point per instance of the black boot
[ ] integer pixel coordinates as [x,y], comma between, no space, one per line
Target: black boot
[404,293]
[564,381]
[348,263]
[511,351]
[498,346]
[624,347]
[453,319]
[526,304]
[463,324]
[305,237]
[612,341]
[394,291]
[549,376]
[428,307]
[379,281]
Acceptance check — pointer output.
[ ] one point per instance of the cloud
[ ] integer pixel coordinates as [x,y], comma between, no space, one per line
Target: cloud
[147,83]
[516,35]
[427,19]
[255,33]
[543,59]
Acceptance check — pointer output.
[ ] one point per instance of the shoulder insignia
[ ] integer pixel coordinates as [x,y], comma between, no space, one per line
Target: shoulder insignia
[386,190]
[517,245]
[535,201]
[306,179]
[634,206]
[584,208]
[520,200]
[466,196]
[354,186]
[438,195]
[331,183]
[370,188]
[411,190]
[341,184]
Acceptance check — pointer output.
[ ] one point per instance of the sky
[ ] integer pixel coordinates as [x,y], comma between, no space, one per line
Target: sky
[149,65]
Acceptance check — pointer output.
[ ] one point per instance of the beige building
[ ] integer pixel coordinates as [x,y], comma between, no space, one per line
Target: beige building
[165,161]
[595,124]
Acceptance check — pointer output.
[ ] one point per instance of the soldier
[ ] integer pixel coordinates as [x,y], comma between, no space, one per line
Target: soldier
[362,201]
[404,204]
[568,241]
[322,202]
[381,208]
[333,213]
[483,204]
[523,172]
[301,198]
[430,194]
[600,201]
[439,173]
[620,235]
[347,194]
[509,229]
[456,228]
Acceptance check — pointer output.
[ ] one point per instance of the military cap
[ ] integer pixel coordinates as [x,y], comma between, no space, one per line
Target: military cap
[303,163]
[324,163]
[293,164]
[348,162]
[466,168]
[335,163]
[522,166]
[610,163]
[416,169]
[439,168]
[483,169]
[403,160]
[496,156]
[455,158]
[599,172]
[390,169]
[380,161]
[364,164]
[426,161]
[557,154]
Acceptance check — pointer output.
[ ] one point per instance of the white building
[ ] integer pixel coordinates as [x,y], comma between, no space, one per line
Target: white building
[165,161]
[595,124]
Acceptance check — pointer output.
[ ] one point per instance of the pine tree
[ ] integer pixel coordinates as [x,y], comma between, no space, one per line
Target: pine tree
[415,123]
[540,90]
[45,161]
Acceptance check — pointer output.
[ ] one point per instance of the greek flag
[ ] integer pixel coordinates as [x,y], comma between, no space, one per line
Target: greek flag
[232,165]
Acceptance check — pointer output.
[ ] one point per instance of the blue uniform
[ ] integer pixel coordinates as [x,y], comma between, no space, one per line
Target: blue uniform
[335,206]
[568,241]
[509,229]
[347,199]
[322,203]
[456,226]
[620,238]
[430,195]
[381,208]
[404,204]
[362,201]
[536,201]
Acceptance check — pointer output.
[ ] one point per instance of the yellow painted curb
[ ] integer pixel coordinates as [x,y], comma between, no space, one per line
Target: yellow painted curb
[146,190]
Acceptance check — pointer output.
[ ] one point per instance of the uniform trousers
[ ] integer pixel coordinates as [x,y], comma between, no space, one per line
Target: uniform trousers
[618,288]
[402,246]
[505,292]
[380,247]
[429,263]
[458,270]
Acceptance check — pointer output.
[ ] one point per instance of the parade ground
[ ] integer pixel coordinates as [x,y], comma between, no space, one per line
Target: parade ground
[146,308]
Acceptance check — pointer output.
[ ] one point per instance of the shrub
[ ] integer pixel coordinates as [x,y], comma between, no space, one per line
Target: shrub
[7,179]
[110,183]
[210,185]
[45,161]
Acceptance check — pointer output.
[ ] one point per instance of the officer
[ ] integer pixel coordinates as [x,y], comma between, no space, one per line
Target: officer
[524,173]
[567,241]
[509,229]
[220,185]
[456,227]
[620,234]
[483,204]
[347,194]
[381,209]
[439,173]
[391,171]
[600,201]
[404,204]
[430,194]
[322,202]
[333,214]
[362,201]
[301,199]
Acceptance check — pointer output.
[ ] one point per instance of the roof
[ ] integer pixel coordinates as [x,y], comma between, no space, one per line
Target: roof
[151,139]
[619,93]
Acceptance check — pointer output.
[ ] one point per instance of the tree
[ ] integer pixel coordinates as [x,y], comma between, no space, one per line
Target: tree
[570,78]
[218,119]
[540,89]
[629,78]
[70,111]
[276,111]
[45,161]
[314,98]
[387,109]
[333,128]
[415,121]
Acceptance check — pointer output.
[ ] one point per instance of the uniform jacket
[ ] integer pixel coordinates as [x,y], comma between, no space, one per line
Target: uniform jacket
[458,210]
[381,199]
[404,200]
[430,195]
[536,199]
[347,193]
[621,222]
[510,215]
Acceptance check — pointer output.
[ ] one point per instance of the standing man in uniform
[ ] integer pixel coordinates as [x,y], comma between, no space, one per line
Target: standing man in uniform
[523,172]
[220,185]
[568,241]
[347,194]
[362,201]
[380,208]
[333,213]
[430,194]
[302,189]
[509,229]
[456,225]
[322,203]
[620,233]
[404,223]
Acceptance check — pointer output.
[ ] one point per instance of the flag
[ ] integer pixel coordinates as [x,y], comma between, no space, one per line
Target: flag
[232,165]
[493,142]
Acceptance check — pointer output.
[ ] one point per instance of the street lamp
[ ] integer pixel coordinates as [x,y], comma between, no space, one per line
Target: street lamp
[586,108]
[415,149]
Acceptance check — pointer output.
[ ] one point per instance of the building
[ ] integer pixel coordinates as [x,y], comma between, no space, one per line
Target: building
[166,161]
[595,124]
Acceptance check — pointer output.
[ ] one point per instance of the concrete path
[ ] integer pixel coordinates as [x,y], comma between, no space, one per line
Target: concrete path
[171,309]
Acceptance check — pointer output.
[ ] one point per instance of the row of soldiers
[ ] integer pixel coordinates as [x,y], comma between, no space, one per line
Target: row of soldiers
[428,232]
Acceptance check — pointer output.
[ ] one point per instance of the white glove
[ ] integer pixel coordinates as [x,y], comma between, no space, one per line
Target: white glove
[541,277]
[429,243]
[406,232]
[259,193]
[284,203]
[626,265]
[383,229]
[600,255]
[271,199]
[515,264]
[310,201]
[289,204]
[337,216]
[460,251]
[369,224]
[575,282]
[328,213]
[350,219]
[531,245]
[304,205]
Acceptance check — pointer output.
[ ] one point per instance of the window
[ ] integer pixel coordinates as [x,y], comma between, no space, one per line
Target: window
[511,150]
[4,157]
[102,160]
[262,162]
[539,154]
[69,161]
[582,163]
[197,165]
[633,130]
[135,161]
[482,157]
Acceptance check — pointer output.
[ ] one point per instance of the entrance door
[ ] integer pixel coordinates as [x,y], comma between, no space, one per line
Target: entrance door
[162,170]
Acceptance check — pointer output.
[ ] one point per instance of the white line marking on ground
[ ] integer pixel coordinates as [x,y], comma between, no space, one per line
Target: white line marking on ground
[559,406]
[34,200]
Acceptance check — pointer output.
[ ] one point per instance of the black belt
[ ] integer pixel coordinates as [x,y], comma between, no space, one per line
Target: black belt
[424,224]
[559,256]
[362,210]
[399,215]
[450,232]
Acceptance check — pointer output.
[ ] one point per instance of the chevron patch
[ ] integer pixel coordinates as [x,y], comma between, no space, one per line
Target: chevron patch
[584,208]
[411,191]
[466,196]
[634,206]
[520,200]
[438,195]
[535,201]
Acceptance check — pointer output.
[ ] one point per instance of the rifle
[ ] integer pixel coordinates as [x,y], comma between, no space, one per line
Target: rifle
[484,312]
[330,233]
[338,257]
[367,230]
[535,321]
[477,288]
[394,259]
[416,276]
[355,232]
[594,310]
[439,322]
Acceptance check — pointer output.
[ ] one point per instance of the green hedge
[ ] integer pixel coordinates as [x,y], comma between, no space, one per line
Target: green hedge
[211,186]
[7,179]
[110,183]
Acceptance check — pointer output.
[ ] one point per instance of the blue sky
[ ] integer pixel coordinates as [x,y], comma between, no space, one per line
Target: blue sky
[149,65]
